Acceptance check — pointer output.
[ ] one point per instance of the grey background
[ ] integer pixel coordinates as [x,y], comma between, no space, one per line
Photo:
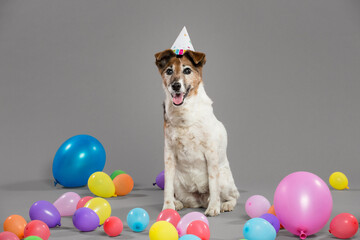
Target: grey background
[283,75]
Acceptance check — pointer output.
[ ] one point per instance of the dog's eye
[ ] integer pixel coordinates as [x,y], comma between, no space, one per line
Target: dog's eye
[187,71]
[169,71]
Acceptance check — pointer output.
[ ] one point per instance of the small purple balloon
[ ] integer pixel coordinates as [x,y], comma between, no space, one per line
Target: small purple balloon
[160,180]
[187,219]
[86,220]
[45,211]
[273,220]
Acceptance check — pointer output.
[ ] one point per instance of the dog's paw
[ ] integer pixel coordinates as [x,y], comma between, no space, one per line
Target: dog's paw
[178,205]
[212,211]
[227,207]
[169,205]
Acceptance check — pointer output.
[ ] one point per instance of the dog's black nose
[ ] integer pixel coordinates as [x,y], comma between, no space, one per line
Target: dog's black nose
[176,86]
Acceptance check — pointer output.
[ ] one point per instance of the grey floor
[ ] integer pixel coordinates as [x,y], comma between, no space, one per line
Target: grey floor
[16,198]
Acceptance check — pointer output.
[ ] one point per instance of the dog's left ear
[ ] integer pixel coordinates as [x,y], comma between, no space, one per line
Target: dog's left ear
[197,58]
[162,58]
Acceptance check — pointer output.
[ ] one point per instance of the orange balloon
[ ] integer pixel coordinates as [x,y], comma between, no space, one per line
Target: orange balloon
[15,224]
[272,211]
[123,184]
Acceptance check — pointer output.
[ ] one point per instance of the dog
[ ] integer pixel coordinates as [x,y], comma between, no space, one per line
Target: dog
[197,171]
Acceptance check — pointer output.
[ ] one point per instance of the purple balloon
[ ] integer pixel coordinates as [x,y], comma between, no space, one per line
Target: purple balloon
[271,218]
[45,211]
[86,220]
[160,180]
[303,203]
[187,219]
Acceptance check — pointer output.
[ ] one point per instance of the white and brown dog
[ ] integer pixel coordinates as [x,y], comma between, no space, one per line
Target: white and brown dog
[197,171]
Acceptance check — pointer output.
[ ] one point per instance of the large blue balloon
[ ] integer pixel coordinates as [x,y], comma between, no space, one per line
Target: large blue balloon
[76,159]
[259,229]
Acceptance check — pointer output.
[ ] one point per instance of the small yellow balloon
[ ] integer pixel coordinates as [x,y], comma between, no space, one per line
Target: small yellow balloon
[339,181]
[101,207]
[101,185]
[163,230]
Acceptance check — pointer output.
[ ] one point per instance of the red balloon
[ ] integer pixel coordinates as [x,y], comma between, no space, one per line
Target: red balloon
[199,229]
[169,215]
[344,226]
[113,226]
[83,201]
[8,236]
[37,228]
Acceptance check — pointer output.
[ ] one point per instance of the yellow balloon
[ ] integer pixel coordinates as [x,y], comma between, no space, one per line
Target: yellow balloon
[101,207]
[101,185]
[339,181]
[163,230]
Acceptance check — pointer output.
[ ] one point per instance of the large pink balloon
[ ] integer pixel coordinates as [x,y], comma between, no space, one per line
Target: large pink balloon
[66,203]
[303,203]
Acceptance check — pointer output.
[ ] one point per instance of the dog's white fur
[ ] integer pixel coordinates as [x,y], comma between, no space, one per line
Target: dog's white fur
[197,171]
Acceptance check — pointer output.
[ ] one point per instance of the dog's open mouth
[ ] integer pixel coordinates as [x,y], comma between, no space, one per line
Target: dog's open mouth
[179,97]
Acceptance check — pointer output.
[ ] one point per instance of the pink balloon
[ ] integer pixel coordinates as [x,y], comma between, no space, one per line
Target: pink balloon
[303,203]
[256,206]
[83,201]
[187,219]
[8,236]
[66,203]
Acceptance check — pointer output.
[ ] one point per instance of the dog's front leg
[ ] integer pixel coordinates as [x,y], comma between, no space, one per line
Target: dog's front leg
[212,159]
[169,160]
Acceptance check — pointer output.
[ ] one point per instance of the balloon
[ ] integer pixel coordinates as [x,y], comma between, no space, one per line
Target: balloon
[169,215]
[200,229]
[66,203]
[76,159]
[8,236]
[46,212]
[344,225]
[123,184]
[259,229]
[37,228]
[115,173]
[273,220]
[15,224]
[303,203]
[189,237]
[160,180]
[339,181]
[85,219]
[101,185]
[187,219]
[83,201]
[138,219]
[33,238]
[101,207]
[163,230]
[256,206]
[113,226]
[272,211]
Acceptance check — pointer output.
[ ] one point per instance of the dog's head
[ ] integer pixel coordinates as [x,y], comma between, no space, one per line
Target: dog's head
[181,75]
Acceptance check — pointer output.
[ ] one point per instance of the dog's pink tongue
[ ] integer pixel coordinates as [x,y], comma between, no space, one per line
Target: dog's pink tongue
[178,98]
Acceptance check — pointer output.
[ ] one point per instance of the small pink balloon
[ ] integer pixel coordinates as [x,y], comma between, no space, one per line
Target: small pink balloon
[66,203]
[303,203]
[8,236]
[83,201]
[256,206]
[187,219]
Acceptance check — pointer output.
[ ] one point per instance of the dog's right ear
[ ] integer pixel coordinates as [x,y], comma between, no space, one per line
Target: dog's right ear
[162,58]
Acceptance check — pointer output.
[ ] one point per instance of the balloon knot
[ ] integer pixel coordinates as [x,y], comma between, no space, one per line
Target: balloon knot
[302,235]
[154,184]
[55,183]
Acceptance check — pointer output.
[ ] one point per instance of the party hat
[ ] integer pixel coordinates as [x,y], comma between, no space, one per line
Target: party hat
[182,43]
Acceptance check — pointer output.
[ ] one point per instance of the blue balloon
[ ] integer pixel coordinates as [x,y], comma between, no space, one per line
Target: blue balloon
[259,229]
[189,237]
[76,159]
[138,219]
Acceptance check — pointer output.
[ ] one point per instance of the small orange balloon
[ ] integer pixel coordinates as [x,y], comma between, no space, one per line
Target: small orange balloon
[272,211]
[123,184]
[15,224]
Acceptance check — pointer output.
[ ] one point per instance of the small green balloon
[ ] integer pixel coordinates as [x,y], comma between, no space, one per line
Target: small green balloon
[115,173]
[33,238]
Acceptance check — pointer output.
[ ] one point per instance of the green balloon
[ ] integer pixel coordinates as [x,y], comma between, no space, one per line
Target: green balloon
[115,173]
[33,238]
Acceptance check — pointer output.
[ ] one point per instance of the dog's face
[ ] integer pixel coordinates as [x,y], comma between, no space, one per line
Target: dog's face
[181,75]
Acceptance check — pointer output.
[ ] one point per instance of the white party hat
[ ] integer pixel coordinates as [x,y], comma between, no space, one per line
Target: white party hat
[182,43]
